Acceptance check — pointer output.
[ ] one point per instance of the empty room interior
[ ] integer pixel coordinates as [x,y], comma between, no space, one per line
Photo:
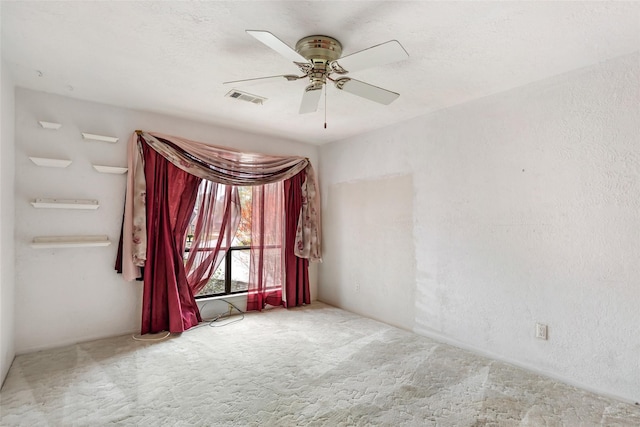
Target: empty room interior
[320,213]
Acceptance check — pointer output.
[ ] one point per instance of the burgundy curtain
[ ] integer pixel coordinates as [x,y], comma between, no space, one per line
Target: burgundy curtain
[296,269]
[168,303]
[266,261]
[216,222]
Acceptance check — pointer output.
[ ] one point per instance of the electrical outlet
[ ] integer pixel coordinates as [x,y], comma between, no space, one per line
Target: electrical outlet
[541,331]
[357,287]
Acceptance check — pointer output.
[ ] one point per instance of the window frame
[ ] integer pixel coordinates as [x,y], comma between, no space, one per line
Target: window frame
[227,271]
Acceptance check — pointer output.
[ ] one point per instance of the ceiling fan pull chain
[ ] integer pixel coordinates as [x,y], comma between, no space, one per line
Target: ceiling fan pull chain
[325,106]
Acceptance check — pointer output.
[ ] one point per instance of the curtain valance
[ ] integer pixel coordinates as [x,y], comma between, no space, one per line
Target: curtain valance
[217,164]
[224,165]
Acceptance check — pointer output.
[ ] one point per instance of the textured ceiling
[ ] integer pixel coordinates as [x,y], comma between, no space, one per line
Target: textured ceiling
[171,57]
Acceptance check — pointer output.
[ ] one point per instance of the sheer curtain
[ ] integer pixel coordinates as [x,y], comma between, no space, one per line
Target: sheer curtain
[217,216]
[266,266]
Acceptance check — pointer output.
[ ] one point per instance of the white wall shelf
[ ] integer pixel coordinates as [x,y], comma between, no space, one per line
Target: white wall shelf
[65,204]
[50,163]
[103,138]
[110,169]
[50,125]
[44,242]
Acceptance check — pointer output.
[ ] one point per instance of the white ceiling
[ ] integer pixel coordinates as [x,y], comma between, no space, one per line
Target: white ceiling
[171,57]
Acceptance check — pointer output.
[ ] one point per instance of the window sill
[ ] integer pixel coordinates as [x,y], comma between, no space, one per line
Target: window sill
[221,297]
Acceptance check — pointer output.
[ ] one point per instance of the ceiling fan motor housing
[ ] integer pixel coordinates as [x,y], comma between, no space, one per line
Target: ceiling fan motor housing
[320,50]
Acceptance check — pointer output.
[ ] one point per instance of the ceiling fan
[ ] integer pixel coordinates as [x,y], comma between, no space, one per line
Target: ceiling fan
[319,59]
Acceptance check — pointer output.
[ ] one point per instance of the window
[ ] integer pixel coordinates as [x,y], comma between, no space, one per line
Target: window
[232,275]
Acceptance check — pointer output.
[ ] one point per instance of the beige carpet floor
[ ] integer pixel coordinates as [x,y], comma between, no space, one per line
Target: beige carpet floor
[316,365]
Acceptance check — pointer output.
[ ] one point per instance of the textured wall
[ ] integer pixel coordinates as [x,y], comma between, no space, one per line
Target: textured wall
[7,252]
[70,295]
[526,209]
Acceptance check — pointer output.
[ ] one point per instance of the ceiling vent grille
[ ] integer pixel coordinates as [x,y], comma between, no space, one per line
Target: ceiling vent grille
[244,96]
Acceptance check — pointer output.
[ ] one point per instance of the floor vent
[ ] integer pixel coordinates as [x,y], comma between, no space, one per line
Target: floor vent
[244,96]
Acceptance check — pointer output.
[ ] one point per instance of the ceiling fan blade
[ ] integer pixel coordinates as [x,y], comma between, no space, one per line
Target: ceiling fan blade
[246,82]
[381,54]
[365,90]
[276,44]
[311,98]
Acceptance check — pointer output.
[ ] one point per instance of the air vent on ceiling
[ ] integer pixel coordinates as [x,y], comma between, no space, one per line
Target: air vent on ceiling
[244,96]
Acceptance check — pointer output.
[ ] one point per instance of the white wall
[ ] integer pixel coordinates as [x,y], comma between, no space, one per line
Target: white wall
[369,232]
[7,203]
[70,295]
[526,209]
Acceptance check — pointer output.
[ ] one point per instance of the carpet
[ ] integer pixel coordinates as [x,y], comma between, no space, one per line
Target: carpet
[316,366]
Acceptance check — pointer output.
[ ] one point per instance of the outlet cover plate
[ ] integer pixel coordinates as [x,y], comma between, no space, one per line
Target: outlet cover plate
[541,331]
